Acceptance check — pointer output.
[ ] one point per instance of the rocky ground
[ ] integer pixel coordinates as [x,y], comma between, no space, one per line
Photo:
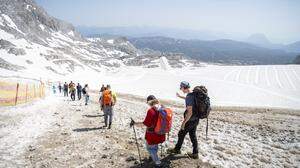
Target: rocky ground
[70,134]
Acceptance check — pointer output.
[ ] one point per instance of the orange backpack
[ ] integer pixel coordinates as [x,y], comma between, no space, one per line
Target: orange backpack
[107,98]
[164,121]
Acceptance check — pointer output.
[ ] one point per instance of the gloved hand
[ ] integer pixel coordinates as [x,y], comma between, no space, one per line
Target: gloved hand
[132,123]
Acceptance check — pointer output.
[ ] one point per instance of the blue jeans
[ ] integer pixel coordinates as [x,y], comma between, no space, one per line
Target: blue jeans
[153,149]
[108,112]
[87,97]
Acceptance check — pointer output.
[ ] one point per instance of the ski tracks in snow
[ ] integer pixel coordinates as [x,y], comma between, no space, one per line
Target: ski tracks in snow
[267,76]
[257,74]
[227,75]
[277,77]
[248,75]
[237,77]
[291,83]
[296,75]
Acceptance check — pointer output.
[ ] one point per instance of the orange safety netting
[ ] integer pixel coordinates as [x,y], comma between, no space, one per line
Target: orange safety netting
[17,93]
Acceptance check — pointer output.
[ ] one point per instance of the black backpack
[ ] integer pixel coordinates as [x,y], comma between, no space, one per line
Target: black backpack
[201,107]
[84,91]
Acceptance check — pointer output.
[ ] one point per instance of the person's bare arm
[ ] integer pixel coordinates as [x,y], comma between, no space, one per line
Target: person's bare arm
[178,95]
[188,116]
[139,124]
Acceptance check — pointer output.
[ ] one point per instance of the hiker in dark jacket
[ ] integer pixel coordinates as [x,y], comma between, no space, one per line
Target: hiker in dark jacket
[66,88]
[59,87]
[102,88]
[189,124]
[85,92]
[79,90]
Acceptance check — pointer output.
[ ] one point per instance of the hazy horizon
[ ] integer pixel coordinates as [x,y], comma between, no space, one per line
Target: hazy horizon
[276,19]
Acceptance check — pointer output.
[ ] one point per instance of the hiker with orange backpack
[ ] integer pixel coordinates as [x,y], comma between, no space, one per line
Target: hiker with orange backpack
[108,100]
[158,122]
[197,107]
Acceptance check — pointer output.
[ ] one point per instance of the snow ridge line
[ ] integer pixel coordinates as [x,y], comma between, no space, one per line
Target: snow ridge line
[277,77]
[289,79]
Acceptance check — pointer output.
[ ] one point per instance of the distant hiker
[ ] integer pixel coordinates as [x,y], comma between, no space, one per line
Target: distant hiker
[158,122]
[59,87]
[85,92]
[66,88]
[79,90]
[72,90]
[102,88]
[54,89]
[108,100]
[197,105]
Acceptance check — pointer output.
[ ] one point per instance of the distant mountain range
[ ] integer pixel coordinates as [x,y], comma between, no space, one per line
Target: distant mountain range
[262,41]
[204,46]
[147,31]
[258,39]
[219,51]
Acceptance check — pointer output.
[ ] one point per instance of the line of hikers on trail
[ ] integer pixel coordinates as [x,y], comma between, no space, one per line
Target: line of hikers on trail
[107,98]
[158,122]
[72,89]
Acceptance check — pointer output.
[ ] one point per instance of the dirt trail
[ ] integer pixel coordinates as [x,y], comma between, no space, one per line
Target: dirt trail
[237,138]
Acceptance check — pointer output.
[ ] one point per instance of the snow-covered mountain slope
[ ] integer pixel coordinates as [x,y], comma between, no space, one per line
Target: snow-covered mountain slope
[34,44]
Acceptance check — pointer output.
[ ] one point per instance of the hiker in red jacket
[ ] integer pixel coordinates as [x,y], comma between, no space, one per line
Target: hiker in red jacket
[152,138]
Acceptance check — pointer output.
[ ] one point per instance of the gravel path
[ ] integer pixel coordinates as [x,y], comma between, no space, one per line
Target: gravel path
[69,134]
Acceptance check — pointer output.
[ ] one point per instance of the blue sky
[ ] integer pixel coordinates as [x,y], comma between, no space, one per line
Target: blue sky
[278,19]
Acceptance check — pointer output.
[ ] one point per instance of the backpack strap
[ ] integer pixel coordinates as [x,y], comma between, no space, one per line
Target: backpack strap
[151,129]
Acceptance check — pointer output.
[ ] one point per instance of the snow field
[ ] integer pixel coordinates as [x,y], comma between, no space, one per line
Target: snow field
[262,86]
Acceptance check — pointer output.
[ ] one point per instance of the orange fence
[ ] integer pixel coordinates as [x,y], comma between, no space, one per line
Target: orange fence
[17,93]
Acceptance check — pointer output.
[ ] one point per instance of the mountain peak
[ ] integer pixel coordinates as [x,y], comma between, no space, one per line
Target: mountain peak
[259,39]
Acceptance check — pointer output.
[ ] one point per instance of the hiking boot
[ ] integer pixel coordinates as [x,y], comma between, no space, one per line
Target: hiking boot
[158,164]
[193,155]
[109,126]
[173,151]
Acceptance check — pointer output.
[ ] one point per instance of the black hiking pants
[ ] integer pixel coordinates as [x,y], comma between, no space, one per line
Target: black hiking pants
[66,93]
[73,95]
[190,127]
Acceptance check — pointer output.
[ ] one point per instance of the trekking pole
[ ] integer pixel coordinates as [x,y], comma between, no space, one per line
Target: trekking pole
[137,144]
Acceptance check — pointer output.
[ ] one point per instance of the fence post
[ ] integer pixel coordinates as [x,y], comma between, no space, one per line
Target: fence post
[40,90]
[26,92]
[34,91]
[43,90]
[17,90]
